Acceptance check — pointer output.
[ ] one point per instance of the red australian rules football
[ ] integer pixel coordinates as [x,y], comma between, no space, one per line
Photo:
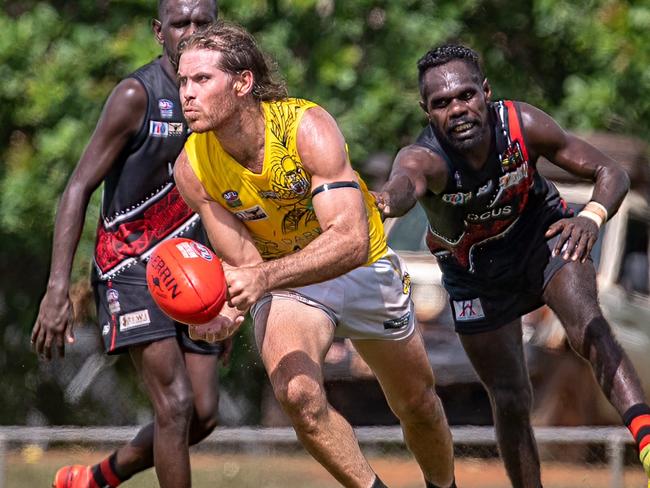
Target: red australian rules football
[186,280]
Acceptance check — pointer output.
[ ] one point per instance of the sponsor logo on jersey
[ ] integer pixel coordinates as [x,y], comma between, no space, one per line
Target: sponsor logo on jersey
[232,198]
[176,129]
[106,329]
[113,299]
[457,198]
[269,194]
[134,320]
[253,213]
[485,189]
[512,155]
[514,177]
[494,214]
[467,310]
[166,108]
[158,128]
[399,322]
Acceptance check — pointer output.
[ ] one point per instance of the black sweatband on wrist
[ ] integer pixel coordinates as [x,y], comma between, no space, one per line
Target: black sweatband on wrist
[334,186]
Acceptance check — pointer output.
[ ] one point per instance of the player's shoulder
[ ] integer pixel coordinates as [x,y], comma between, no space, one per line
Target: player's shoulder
[314,121]
[538,127]
[131,90]
[125,108]
[130,95]
[528,113]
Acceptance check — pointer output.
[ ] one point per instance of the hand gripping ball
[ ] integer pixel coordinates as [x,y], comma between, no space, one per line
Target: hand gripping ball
[186,280]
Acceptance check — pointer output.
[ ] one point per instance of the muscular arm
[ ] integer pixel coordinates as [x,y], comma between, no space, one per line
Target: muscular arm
[546,138]
[415,170]
[341,213]
[121,118]
[343,244]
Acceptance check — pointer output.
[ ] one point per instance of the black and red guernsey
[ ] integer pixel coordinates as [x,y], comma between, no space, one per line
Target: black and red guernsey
[141,205]
[482,219]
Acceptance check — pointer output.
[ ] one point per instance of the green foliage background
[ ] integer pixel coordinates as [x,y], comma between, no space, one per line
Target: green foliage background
[586,62]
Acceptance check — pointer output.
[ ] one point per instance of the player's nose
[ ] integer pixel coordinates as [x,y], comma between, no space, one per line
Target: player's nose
[457,107]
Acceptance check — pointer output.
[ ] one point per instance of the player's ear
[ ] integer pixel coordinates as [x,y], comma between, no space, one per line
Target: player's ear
[487,89]
[244,83]
[156,27]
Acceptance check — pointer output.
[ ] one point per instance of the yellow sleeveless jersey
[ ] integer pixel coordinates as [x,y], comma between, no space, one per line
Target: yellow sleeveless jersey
[274,205]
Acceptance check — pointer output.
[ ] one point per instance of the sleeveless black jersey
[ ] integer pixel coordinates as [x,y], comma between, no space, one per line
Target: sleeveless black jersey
[141,205]
[483,219]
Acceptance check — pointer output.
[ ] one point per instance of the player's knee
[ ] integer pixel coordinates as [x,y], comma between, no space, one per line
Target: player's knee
[421,407]
[304,401]
[205,418]
[175,408]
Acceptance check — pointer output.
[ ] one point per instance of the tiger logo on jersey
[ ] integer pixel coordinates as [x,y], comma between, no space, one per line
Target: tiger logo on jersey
[289,180]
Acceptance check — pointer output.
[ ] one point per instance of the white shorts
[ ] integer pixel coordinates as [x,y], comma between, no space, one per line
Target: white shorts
[370,302]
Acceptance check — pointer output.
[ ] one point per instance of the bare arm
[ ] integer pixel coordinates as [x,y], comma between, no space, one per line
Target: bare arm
[120,120]
[546,138]
[343,244]
[341,213]
[415,170]
[229,238]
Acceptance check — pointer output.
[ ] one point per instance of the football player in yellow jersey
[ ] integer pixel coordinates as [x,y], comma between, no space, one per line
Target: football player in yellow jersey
[304,251]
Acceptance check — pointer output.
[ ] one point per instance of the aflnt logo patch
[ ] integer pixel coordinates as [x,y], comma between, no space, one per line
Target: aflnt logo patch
[164,283]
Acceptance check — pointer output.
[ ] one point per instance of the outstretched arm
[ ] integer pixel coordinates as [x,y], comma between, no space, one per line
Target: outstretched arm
[546,138]
[415,170]
[119,121]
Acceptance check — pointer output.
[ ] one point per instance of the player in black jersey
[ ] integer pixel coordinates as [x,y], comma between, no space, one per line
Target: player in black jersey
[507,244]
[137,139]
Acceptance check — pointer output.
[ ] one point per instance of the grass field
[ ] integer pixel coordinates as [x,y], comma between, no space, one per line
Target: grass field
[32,468]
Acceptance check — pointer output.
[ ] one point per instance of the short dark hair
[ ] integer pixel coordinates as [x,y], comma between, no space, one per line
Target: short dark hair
[239,52]
[163,3]
[444,54]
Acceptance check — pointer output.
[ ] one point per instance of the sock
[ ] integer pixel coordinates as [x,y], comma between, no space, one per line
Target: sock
[637,419]
[431,485]
[104,473]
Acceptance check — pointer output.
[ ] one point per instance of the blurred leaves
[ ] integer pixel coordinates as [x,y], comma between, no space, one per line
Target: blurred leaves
[585,62]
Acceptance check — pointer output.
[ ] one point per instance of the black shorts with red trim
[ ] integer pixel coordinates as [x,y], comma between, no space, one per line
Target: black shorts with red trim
[128,316]
[509,281]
